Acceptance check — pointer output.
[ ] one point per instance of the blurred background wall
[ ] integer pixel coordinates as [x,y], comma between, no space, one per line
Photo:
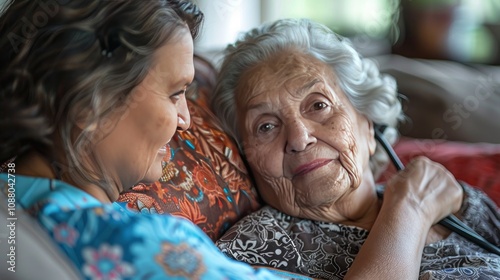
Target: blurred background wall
[460,30]
[444,54]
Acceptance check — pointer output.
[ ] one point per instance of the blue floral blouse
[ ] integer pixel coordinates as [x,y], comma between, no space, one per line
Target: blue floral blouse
[106,241]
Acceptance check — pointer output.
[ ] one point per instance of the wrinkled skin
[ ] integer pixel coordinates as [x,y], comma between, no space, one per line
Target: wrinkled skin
[309,150]
[307,146]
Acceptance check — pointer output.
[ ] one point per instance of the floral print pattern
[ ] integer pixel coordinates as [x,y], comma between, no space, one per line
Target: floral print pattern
[108,242]
[204,180]
[65,234]
[323,250]
[105,263]
[180,260]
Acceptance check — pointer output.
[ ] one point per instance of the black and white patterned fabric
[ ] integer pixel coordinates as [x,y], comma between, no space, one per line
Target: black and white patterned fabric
[323,250]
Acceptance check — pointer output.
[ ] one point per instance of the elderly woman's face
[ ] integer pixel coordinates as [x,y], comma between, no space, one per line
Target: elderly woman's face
[134,149]
[305,143]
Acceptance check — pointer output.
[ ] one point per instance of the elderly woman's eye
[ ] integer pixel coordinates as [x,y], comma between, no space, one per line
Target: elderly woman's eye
[319,106]
[266,127]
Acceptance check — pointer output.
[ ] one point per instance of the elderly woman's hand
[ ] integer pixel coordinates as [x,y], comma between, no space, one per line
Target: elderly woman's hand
[427,188]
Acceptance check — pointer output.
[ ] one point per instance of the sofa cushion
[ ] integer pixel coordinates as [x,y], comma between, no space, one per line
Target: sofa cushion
[474,163]
[445,99]
[204,180]
[35,256]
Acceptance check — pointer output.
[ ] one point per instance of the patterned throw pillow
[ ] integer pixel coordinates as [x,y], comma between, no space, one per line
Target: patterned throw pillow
[204,180]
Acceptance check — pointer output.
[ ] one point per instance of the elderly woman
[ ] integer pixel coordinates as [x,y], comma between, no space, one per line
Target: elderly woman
[92,90]
[303,103]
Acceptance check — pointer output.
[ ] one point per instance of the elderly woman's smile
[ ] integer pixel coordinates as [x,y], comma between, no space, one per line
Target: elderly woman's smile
[310,166]
[303,138]
[302,103]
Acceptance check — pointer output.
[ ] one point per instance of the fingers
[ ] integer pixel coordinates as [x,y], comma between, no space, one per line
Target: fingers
[428,187]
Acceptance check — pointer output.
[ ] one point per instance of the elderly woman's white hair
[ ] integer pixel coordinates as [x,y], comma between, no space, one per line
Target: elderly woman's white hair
[371,93]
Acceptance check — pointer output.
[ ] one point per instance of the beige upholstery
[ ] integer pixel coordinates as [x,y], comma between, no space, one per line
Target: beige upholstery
[447,100]
[37,257]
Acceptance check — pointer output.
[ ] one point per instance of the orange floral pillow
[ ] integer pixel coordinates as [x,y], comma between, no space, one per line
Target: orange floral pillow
[204,180]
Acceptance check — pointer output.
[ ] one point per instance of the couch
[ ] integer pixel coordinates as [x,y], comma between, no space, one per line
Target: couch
[207,182]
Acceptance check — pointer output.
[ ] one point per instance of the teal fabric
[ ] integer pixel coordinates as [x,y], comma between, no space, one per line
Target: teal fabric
[107,241]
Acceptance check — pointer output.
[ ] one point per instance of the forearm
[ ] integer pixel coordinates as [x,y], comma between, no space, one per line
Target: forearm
[393,249]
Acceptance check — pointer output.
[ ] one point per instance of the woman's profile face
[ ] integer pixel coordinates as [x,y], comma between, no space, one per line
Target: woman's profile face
[134,149]
[306,144]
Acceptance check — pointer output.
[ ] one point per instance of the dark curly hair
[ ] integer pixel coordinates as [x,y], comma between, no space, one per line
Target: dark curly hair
[63,57]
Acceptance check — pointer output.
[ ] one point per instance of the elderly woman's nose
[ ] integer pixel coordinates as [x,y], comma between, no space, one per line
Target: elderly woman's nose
[183,116]
[298,137]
